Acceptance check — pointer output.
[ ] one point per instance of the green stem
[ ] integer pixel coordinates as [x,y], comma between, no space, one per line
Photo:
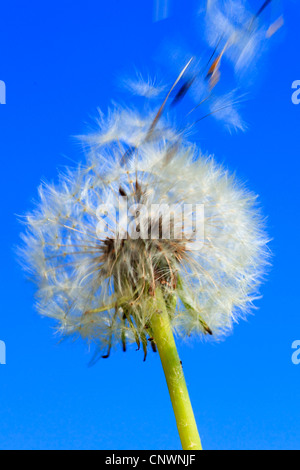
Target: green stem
[164,339]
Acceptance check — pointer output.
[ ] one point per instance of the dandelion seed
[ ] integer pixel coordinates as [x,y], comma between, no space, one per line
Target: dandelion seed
[239,29]
[161,10]
[145,88]
[225,109]
[263,7]
[78,272]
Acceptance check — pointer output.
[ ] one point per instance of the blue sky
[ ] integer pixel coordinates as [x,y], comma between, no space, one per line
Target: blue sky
[61,60]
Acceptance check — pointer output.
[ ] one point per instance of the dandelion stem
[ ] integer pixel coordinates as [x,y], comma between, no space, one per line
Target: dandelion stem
[164,339]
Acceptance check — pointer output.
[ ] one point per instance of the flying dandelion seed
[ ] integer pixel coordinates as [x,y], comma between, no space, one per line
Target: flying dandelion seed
[240,30]
[145,88]
[161,10]
[276,26]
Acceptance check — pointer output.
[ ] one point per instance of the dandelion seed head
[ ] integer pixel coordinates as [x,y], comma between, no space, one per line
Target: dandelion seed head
[236,25]
[96,283]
